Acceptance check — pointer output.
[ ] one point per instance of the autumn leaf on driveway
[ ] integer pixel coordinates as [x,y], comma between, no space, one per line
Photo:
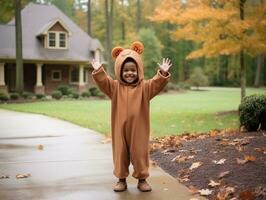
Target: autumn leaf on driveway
[224,192]
[195,165]
[205,192]
[223,174]
[20,176]
[246,159]
[213,183]
[220,162]
[40,147]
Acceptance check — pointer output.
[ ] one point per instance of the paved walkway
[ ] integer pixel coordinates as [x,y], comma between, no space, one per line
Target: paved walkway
[73,165]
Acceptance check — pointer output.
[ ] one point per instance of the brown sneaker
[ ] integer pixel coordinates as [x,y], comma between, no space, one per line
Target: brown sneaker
[120,186]
[143,186]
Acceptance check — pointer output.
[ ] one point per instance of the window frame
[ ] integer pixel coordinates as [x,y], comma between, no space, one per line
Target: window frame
[70,75]
[60,75]
[57,40]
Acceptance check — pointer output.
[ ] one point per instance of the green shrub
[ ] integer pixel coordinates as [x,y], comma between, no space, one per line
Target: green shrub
[3,97]
[101,95]
[14,96]
[65,89]
[75,95]
[86,94]
[94,91]
[27,95]
[252,112]
[183,85]
[57,94]
[172,86]
[40,96]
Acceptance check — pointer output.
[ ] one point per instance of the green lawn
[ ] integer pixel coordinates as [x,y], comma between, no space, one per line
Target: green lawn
[191,111]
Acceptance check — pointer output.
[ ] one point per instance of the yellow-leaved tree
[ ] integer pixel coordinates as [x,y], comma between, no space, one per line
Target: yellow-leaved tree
[222,27]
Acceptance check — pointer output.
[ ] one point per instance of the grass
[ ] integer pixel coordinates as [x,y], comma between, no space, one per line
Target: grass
[192,111]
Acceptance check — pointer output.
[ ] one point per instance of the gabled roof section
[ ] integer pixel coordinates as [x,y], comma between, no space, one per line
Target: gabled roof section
[44,30]
[36,19]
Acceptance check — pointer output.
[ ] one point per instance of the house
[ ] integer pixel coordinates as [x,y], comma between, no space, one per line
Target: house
[55,51]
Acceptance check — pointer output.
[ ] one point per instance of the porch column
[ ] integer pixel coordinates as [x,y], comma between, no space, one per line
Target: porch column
[39,75]
[3,87]
[97,55]
[39,88]
[81,75]
[2,74]
[81,86]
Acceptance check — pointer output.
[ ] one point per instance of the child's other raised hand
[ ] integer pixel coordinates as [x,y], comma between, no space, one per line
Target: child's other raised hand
[165,66]
[95,64]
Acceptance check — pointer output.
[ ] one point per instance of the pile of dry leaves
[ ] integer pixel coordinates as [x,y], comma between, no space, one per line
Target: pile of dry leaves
[219,165]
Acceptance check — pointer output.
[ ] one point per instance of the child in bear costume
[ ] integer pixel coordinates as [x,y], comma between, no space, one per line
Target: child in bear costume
[130,95]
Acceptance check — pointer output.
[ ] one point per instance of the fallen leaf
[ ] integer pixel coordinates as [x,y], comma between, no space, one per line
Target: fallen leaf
[106,140]
[249,158]
[240,161]
[220,162]
[180,158]
[193,189]
[40,147]
[195,165]
[223,174]
[4,176]
[213,183]
[263,150]
[205,192]
[246,159]
[260,191]
[20,176]
[153,163]
[224,192]
[247,195]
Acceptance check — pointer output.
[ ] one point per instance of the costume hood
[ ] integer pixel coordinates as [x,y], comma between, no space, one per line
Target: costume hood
[120,54]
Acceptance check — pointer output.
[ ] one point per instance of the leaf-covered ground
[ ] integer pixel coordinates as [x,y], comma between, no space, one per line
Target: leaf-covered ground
[219,165]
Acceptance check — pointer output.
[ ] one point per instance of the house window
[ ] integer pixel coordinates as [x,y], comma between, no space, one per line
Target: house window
[56,75]
[57,40]
[52,40]
[74,75]
[62,40]
[85,76]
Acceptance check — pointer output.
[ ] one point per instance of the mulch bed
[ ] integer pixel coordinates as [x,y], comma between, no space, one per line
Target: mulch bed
[219,165]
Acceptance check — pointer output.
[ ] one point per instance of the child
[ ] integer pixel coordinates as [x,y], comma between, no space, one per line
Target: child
[130,95]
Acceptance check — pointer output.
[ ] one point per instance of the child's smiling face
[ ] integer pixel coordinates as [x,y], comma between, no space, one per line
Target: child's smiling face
[130,72]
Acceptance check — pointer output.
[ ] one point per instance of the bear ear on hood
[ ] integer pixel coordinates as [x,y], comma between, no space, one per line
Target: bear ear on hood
[138,47]
[116,51]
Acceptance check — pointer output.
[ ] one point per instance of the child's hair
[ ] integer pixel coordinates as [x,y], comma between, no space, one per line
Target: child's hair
[128,60]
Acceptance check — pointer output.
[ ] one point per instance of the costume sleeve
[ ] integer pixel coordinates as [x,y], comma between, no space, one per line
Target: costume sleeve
[157,83]
[104,81]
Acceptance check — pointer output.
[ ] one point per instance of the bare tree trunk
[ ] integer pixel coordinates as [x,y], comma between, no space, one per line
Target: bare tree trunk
[138,14]
[123,27]
[258,70]
[19,58]
[89,17]
[242,61]
[108,18]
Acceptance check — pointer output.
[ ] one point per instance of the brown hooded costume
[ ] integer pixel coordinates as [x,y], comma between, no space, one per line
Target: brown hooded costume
[130,112]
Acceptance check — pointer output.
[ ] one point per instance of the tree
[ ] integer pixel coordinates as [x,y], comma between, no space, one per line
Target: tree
[217,27]
[152,52]
[19,55]
[109,19]
[198,78]
[89,17]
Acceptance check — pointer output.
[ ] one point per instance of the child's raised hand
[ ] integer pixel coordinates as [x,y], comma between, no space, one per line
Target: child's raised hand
[95,64]
[165,66]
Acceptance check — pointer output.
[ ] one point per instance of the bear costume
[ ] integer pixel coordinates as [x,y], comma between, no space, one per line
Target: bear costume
[130,118]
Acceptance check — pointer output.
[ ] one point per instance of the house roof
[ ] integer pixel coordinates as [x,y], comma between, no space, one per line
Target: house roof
[35,19]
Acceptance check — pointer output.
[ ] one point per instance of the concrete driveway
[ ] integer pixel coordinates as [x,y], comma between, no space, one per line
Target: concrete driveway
[73,165]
